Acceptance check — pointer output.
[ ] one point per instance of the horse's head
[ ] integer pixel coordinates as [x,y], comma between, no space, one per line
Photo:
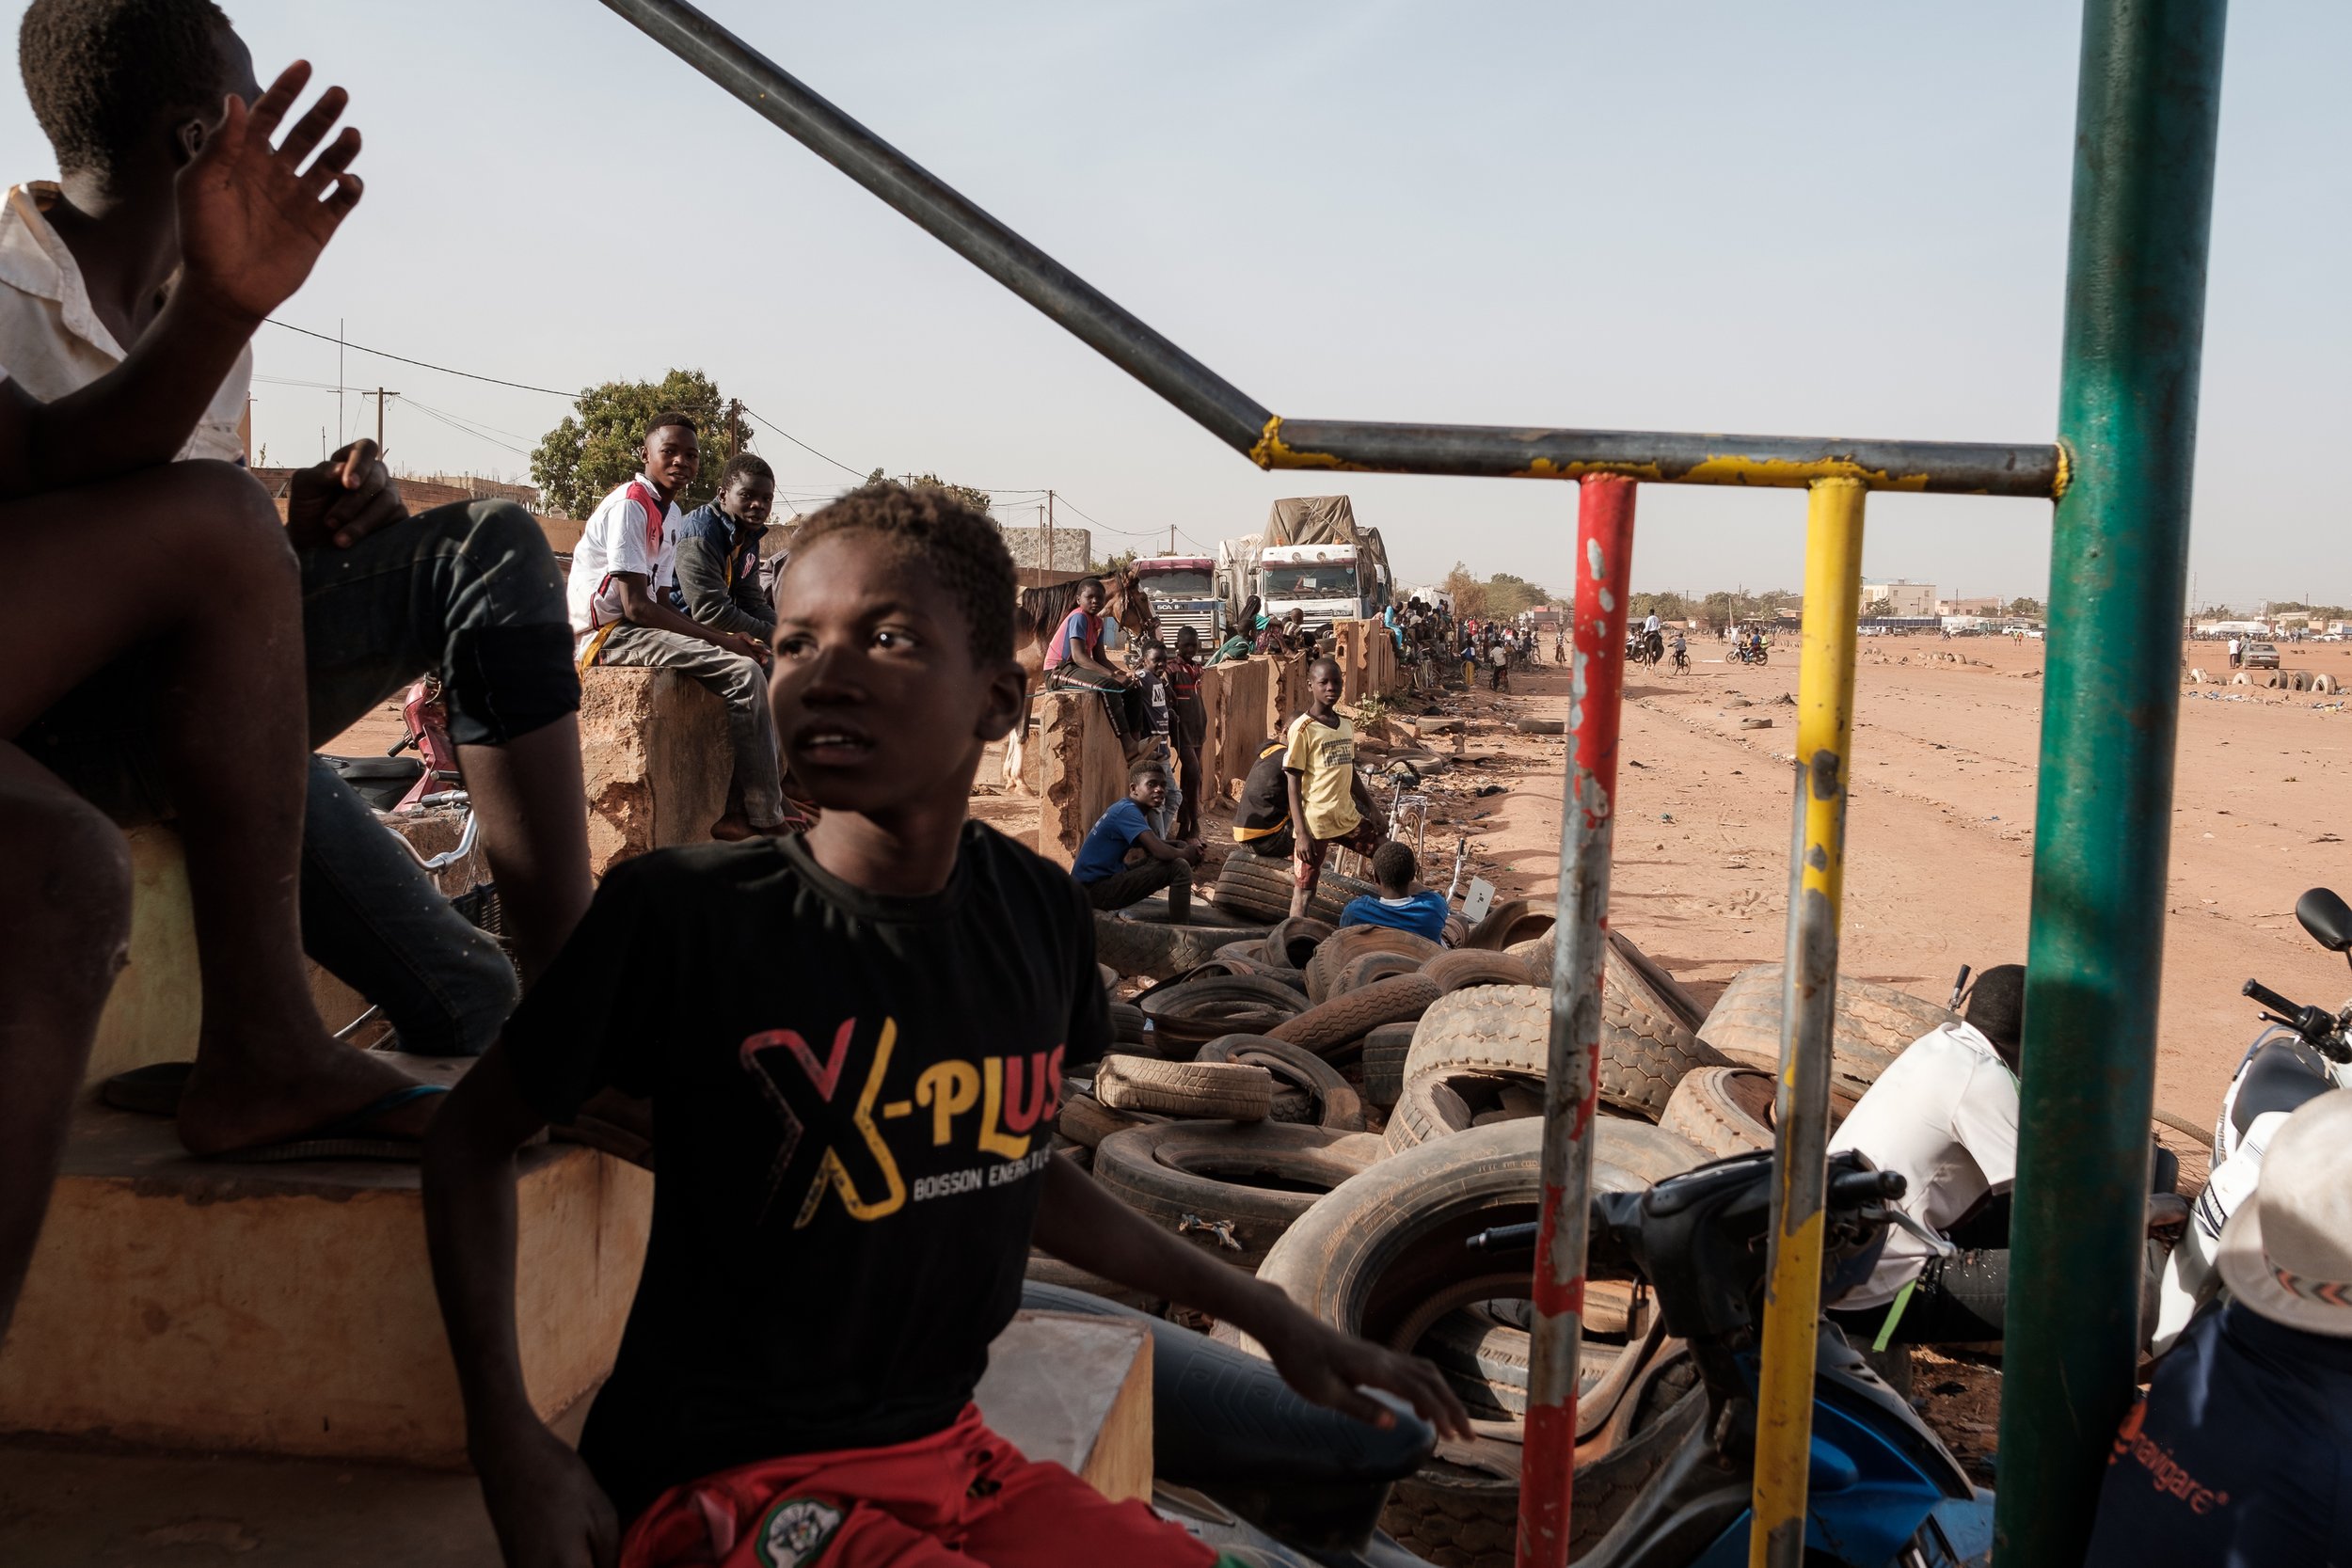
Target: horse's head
[1129,605]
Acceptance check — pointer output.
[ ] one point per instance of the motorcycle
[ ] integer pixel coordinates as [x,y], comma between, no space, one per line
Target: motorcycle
[1249,1468]
[1645,648]
[1884,1489]
[1749,653]
[2301,1053]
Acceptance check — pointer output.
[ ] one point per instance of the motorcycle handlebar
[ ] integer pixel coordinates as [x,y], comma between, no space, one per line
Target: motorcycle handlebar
[1860,1189]
[2269,998]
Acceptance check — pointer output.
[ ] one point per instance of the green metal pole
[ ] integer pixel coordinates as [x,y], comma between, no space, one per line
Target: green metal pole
[2146,118]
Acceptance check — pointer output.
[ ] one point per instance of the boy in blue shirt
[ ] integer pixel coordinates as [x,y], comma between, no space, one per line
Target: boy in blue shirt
[1124,835]
[1400,904]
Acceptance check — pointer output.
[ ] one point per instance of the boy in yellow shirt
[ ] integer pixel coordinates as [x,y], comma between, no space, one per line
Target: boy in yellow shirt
[1319,762]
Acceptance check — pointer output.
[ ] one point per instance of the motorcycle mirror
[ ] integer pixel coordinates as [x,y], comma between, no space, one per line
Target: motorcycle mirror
[2326,918]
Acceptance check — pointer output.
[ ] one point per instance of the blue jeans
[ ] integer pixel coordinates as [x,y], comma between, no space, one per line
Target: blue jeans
[468,592]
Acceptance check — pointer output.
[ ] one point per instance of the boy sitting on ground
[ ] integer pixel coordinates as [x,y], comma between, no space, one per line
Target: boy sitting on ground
[852,1041]
[1400,904]
[1319,760]
[1126,857]
[622,570]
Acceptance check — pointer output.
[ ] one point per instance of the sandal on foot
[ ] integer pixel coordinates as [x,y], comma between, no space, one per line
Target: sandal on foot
[154,1091]
[350,1137]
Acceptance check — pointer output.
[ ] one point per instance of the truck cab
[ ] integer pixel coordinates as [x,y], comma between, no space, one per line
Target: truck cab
[1183,592]
[1324,580]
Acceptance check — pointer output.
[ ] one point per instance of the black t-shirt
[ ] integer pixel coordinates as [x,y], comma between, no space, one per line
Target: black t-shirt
[1262,808]
[852,1095]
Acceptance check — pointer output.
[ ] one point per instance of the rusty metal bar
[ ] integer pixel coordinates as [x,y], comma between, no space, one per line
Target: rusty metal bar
[1239,421]
[1817,875]
[1604,558]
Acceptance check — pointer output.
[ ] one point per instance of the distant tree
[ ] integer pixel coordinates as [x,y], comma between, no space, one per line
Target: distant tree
[1469,595]
[2025,607]
[599,445]
[1879,607]
[1119,562]
[978,500]
[1666,607]
[1507,595]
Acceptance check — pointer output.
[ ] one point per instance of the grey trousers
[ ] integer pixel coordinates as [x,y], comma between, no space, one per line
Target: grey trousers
[738,681]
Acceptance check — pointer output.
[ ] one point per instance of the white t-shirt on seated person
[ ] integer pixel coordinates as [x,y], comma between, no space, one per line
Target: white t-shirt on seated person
[618,537]
[1946,1116]
[52,342]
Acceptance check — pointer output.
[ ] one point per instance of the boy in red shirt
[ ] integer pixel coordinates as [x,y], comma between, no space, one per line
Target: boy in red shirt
[853,1043]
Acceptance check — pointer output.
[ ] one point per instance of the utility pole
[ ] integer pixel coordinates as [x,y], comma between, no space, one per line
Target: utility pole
[1049,531]
[735,426]
[379,395]
[1171,538]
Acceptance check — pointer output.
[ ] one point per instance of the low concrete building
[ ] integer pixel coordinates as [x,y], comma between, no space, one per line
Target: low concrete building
[1903,597]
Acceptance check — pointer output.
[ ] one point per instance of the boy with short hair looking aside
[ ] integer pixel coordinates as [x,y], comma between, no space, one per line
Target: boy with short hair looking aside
[1319,758]
[623,570]
[1125,859]
[854,1042]
[1400,904]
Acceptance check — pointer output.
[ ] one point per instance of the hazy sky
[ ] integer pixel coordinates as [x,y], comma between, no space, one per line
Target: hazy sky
[1828,218]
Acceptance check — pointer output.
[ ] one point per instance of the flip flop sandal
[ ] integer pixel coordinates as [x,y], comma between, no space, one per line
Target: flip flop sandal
[152,1090]
[346,1137]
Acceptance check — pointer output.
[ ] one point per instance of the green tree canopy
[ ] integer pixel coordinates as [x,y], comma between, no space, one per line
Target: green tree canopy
[600,445]
[978,500]
[2025,607]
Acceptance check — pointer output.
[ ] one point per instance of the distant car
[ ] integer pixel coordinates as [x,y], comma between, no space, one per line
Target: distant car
[2034,632]
[2261,655]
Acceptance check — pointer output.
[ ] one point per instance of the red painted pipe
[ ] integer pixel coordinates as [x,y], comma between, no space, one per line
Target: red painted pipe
[1604,555]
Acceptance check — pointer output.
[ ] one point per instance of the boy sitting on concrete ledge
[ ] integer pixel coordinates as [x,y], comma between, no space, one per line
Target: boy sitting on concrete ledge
[1125,860]
[1401,904]
[852,1042]
[623,571]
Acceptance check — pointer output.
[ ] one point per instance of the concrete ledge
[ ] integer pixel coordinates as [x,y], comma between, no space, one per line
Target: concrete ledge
[1075,1390]
[1081,770]
[657,762]
[289,1309]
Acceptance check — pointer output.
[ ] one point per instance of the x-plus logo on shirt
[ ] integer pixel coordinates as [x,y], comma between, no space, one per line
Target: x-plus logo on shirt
[805,1093]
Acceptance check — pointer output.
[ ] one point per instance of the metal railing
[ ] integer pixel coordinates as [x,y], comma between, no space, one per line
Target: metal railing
[2146,122]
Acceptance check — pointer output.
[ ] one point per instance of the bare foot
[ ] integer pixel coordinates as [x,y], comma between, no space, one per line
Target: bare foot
[733,829]
[242,1100]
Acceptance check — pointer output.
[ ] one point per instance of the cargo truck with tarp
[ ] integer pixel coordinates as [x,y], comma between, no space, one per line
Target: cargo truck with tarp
[1312,556]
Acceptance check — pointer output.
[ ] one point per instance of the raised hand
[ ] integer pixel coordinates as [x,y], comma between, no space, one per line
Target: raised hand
[252,220]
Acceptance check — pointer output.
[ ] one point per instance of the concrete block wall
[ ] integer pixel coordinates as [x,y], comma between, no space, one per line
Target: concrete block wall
[1074,548]
[655,751]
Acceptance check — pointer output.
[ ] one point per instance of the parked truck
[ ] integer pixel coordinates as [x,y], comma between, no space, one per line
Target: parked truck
[1311,557]
[1184,592]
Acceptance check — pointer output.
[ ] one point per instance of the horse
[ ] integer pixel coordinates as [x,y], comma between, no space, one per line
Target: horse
[1038,613]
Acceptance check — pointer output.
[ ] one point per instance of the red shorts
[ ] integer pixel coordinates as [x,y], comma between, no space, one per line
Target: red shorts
[958,1499]
[1308,854]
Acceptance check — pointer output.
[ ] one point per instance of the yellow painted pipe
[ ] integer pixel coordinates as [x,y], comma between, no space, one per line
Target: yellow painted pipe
[1792,1302]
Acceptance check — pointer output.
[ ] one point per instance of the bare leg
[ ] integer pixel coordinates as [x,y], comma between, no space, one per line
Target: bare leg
[198,567]
[65,923]
[527,798]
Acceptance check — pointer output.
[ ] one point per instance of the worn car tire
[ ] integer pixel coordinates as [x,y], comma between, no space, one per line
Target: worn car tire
[1335,1105]
[1508,1029]
[1514,920]
[1457,970]
[1259,887]
[1641,980]
[1157,950]
[1127,1023]
[1365,967]
[1231,1191]
[1294,941]
[1385,1050]
[1345,946]
[1087,1121]
[1195,1011]
[1214,1089]
[1336,1022]
[1870,1026]
[1722,1110]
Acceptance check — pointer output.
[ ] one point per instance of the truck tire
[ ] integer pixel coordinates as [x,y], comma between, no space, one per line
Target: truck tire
[1512,920]
[1258,887]
[1087,1121]
[1365,967]
[1871,1025]
[1459,970]
[1193,1012]
[1385,1050]
[1157,950]
[1640,981]
[1294,941]
[1231,1191]
[1335,1103]
[1508,1029]
[1213,1089]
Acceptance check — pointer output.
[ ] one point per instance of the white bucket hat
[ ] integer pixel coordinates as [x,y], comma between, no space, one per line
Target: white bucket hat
[2287,1251]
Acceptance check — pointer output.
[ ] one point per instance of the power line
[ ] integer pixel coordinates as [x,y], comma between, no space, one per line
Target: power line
[384,354]
[802,445]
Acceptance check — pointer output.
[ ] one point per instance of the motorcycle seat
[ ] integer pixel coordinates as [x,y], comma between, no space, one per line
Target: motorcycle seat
[375,769]
[1221,1416]
[2281,1076]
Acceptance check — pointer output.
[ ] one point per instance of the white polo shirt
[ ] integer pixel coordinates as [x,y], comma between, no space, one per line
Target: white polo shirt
[1946,1116]
[618,537]
[52,342]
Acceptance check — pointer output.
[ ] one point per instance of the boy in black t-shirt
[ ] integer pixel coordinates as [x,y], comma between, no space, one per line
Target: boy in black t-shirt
[853,1043]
